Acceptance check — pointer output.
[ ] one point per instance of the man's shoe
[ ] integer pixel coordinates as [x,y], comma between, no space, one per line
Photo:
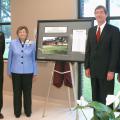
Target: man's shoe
[1,116]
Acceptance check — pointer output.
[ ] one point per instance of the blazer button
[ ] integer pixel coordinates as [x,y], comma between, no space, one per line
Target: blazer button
[21,62]
[21,50]
[21,56]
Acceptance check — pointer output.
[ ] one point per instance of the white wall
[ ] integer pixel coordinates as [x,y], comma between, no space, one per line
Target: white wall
[27,12]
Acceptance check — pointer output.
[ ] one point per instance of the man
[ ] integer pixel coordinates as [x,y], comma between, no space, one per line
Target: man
[101,57]
[2,49]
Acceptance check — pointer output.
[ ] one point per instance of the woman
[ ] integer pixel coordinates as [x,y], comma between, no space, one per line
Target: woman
[22,69]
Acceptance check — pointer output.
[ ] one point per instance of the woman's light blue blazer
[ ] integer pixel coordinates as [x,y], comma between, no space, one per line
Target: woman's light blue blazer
[21,59]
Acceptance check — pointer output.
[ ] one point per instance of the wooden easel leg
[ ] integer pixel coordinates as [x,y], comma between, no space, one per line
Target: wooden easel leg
[69,98]
[48,93]
[72,76]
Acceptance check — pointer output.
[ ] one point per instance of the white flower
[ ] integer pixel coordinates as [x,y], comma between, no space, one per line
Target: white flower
[110,99]
[82,101]
[113,99]
[28,42]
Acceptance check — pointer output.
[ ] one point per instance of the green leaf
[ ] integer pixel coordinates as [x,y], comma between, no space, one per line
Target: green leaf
[99,107]
[105,115]
[95,118]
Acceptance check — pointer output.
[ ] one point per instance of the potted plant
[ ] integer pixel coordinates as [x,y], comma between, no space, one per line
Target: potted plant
[101,111]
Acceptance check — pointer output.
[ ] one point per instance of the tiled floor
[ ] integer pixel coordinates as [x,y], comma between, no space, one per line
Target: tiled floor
[54,111]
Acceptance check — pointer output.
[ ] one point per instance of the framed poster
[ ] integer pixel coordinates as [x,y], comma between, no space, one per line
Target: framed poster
[62,40]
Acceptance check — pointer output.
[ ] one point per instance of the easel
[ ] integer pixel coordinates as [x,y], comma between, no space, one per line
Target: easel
[68,89]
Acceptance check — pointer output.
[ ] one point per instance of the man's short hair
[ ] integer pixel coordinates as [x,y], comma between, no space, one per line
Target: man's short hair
[101,7]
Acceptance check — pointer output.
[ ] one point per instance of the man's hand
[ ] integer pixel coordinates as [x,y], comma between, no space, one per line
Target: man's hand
[110,75]
[87,72]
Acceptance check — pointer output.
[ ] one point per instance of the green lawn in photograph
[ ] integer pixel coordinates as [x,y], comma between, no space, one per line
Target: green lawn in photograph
[59,49]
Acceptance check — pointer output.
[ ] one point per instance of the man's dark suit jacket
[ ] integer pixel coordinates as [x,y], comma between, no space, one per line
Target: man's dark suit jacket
[103,56]
[2,49]
[2,45]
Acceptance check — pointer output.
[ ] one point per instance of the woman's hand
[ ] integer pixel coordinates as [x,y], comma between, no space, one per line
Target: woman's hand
[10,76]
[34,77]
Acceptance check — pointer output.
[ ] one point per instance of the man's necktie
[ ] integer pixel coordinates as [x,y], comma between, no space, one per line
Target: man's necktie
[98,34]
